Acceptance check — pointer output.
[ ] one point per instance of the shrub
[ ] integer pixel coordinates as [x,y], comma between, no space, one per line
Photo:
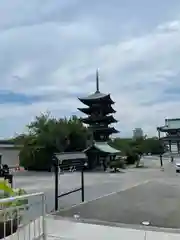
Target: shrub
[117,163]
[11,212]
[33,159]
[132,158]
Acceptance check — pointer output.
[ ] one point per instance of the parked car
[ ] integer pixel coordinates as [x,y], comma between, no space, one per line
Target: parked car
[178,167]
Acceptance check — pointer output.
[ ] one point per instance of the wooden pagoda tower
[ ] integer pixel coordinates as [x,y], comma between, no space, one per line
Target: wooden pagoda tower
[99,118]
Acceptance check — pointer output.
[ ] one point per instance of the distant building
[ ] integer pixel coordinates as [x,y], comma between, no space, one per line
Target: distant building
[9,153]
[171,132]
[137,133]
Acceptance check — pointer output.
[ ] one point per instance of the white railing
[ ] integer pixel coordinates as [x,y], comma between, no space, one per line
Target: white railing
[23,221]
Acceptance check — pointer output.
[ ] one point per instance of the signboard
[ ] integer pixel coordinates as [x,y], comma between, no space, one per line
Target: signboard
[71,160]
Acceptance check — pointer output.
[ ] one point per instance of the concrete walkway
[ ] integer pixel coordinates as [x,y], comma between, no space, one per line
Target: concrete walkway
[80,231]
[69,230]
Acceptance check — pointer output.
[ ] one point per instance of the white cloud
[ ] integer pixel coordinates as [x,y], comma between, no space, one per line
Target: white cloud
[43,56]
[170,26]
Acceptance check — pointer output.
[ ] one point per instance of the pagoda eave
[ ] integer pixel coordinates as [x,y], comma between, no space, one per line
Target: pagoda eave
[106,119]
[90,110]
[96,98]
[85,110]
[90,122]
[107,130]
[86,121]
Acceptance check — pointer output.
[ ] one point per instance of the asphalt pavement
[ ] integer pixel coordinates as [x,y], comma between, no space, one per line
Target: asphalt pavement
[155,202]
[97,185]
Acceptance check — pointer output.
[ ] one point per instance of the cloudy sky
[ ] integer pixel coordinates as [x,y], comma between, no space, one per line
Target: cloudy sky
[50,49]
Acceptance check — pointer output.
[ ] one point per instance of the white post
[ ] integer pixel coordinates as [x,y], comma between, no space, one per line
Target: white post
[44,217]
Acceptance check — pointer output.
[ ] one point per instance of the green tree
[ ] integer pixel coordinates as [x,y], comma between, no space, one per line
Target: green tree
[135,148]
[47,135]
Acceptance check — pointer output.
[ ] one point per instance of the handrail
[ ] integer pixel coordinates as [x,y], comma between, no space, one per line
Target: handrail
[34,227]
[14,198]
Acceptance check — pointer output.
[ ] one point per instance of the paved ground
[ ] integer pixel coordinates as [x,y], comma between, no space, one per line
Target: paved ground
[96,184]
[156,198]
[158,203]
[131,205]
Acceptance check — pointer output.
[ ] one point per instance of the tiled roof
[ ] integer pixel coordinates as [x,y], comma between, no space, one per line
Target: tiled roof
[103,147]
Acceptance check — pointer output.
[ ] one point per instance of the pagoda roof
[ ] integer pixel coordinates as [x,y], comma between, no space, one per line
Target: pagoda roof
[92,119]
[104,129]
[103,147]
[97,96]
[90,110]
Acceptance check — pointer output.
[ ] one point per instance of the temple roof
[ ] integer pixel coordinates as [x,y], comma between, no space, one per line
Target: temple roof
[90,110]
[109,130]
[91,119]
[167,129]
[97,96]
[171,125]
[171,138]
[103,147]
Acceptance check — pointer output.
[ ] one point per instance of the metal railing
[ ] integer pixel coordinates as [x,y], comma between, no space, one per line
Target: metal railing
[23,217]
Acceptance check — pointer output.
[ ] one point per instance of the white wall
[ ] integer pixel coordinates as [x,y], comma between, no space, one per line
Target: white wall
[173,123]
[10,156]
[174,148]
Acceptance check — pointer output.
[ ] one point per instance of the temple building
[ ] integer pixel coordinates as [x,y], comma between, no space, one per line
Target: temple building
[99,118]
[171,138]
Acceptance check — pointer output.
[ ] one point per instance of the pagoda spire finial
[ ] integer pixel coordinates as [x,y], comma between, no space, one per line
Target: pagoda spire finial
[97,81]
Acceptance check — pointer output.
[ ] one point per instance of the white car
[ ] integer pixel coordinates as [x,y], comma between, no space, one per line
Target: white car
[178,167]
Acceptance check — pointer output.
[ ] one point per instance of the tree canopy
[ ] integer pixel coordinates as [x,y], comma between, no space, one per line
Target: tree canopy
[47,135]
[135,148]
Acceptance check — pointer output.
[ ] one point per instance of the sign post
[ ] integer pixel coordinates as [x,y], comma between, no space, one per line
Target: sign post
[56,174]
[67,164]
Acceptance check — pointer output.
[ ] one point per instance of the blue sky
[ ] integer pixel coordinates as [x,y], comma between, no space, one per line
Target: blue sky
[49,52]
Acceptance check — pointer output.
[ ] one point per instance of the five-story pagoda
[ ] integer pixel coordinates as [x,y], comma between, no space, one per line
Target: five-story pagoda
[99,118]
